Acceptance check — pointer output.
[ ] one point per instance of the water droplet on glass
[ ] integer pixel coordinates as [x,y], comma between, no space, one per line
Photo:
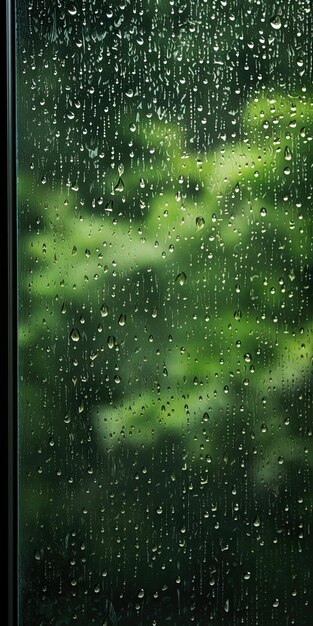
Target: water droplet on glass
[181,278]
[111,342]
[263,212]
[276,22]
[75,335]
[72,9]
[122,319]
[200,221]
[119,186]
[287,154]
[141,593]
[109,208]
[256,521]
[104,310]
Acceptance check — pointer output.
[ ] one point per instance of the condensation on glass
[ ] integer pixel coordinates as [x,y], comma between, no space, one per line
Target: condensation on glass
[165,312]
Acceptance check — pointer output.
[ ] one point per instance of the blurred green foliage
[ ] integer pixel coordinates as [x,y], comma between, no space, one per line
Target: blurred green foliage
[165,331]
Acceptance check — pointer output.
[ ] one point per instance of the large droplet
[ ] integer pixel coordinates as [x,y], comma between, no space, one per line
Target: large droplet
[119,186]
[109,208]
[111,342]
[287,154]
[104,310]
[122,319]
[200,221]
[256,521]
[72,9]
[276,22]
[75,335]
[181,278]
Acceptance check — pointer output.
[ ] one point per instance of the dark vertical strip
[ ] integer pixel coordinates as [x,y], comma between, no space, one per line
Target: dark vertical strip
[12,313]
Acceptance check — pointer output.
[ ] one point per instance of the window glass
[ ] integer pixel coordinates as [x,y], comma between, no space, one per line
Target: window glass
[165,312]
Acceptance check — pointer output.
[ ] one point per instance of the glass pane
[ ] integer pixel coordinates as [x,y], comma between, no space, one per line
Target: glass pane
[165,322]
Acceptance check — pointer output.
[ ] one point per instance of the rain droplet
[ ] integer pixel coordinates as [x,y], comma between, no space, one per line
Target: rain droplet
[237,315]
[120,169]
[141,593]
[122,319]
[75,335]
[119,185]
[159,510]
[256,522]
[287,154]
[200,221]
[181,278]
[109,208]
[104,310]
[96,588]
[72,9]
[263,212]
[276,22]
[111,342]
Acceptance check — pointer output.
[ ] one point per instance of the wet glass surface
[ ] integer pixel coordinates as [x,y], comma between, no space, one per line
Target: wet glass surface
[165,312]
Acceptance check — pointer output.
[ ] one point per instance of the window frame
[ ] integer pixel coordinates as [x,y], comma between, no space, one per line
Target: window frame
[9,234]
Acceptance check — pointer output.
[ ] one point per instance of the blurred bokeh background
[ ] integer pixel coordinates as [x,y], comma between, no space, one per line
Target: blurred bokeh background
[165,312]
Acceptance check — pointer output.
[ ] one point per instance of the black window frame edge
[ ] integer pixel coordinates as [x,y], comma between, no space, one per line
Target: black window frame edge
[9,440]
